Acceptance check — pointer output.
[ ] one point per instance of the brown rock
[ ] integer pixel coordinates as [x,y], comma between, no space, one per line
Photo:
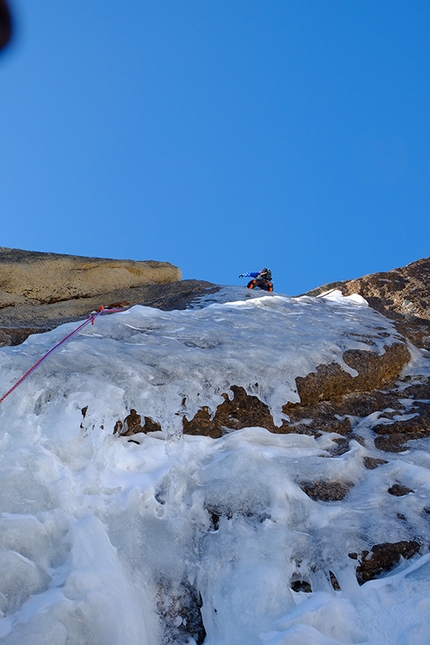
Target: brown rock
[374,371]
[242,411]
[132,424]
[151,425]
[393,435]
[334,581]
[394,443]
[362,404]
[418,391]
[382,558]
[13,336]
[342,444]
[372,462]
[321,416]
[326,491]
[399,491]
[49,277]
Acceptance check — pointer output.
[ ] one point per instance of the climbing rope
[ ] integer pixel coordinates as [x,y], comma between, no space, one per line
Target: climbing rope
[91,319]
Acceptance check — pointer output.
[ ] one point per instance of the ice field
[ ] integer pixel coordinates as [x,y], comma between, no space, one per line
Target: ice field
[99,535]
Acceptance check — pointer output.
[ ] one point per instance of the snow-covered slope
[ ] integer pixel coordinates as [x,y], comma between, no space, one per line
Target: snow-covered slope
[187,539]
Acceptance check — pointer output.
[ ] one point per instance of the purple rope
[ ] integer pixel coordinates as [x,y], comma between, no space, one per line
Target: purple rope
[91,319]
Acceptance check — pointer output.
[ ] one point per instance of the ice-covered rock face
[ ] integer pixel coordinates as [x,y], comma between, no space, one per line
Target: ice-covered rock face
[187,539]
[402,294]
[168,365]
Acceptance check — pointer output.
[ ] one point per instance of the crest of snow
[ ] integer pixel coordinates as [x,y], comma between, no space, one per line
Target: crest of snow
[335,295]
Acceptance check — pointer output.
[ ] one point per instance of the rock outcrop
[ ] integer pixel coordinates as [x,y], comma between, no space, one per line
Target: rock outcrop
[401,294]
[382,558]
[39,291]
[44,278]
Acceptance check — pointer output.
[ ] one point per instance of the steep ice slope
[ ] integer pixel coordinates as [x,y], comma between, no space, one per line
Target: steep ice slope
[189,539]
[151,359]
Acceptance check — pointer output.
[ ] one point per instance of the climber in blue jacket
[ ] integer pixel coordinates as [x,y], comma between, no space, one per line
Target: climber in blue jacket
[261,279]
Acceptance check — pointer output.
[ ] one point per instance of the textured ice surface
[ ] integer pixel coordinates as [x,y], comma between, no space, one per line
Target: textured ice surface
[96,533]
[169,364]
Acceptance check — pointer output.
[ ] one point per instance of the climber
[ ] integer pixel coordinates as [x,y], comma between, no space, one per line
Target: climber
[261,279]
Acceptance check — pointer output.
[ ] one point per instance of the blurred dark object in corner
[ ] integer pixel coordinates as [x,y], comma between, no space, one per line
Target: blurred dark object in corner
[5,24]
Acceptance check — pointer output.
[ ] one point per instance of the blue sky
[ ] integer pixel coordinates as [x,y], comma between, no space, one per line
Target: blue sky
[221,136]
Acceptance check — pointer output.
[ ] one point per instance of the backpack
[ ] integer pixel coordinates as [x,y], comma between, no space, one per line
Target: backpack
[265,274]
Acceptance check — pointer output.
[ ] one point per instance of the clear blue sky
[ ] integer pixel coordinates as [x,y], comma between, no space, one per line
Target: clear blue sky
[220,135]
